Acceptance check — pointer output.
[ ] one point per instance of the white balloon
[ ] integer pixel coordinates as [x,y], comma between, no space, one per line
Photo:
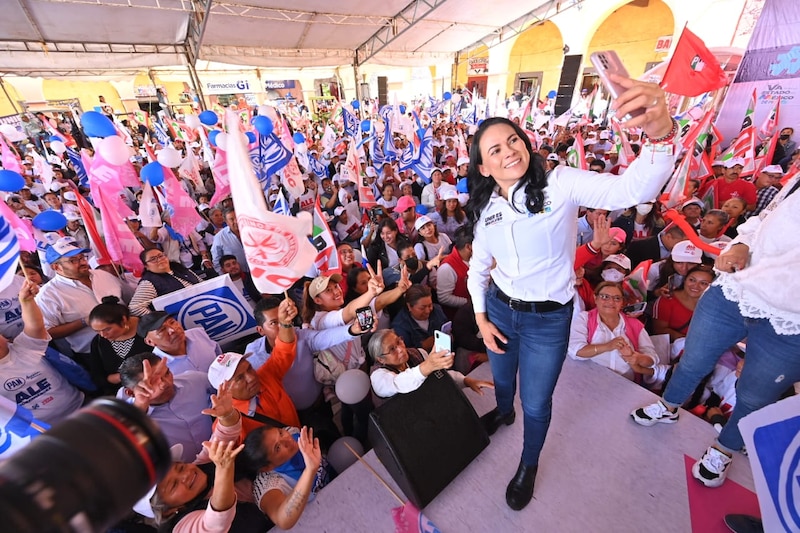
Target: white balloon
[114,150]
[193,121]
[269,112]
[352,386]
[58,147]
[169,157]
[339,457]
[222,141]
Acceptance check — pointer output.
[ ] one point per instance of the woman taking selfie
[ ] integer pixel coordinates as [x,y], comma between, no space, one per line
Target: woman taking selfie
[526,222]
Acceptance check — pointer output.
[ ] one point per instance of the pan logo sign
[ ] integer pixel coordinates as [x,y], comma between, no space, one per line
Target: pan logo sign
[778,449]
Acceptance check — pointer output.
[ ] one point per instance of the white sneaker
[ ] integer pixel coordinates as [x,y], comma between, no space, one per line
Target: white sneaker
[654,413]
[711,469]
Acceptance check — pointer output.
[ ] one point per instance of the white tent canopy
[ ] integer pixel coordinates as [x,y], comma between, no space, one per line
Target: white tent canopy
[108,37]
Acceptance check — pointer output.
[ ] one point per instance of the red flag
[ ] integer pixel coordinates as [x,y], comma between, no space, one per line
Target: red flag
[693,69]
[90,223]
[676,188]
[770,124]
[635,284]
[409,519]
[327,261]
[624,150]
[576,158]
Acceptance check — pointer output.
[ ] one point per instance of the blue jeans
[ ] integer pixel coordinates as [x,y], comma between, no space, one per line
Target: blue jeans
[772,362]
[537,345]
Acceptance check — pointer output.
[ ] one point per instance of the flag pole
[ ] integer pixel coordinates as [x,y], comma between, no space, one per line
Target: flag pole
[22,267]
[374,473]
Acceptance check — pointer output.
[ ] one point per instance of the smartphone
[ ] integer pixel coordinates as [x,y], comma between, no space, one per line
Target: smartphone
[634,309]
[441,341]
[365,317]
[608,62]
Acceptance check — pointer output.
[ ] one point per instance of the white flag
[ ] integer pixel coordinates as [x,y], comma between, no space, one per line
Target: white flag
[148,208]
[276,246]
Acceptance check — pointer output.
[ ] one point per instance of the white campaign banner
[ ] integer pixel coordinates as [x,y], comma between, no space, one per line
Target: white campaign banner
[215,305]
[772,437]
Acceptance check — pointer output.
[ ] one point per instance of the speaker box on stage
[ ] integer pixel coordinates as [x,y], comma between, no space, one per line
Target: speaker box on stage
[566,85]
[383,90]
[427,437]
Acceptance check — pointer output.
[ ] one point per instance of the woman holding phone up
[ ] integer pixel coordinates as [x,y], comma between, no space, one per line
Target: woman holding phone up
[526,223]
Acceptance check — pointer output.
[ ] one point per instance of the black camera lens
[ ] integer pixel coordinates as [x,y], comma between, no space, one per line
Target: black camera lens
[86,473]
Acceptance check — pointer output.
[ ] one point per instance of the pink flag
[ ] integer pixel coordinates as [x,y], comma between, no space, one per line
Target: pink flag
[8,157]
[127,174]
[22,228]
[221,181]
[409,519]
[185,217]
[276,246]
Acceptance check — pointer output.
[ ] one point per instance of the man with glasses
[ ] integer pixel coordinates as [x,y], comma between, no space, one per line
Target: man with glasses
[184,350]
[68,298]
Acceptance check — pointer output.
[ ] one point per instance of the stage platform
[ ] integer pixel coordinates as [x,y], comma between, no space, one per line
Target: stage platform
[599,472]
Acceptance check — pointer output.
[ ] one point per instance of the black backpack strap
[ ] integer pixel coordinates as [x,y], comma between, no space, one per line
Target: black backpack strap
[264,419]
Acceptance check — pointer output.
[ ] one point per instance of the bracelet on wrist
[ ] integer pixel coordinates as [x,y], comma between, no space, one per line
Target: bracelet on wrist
[286,326]
[668,138]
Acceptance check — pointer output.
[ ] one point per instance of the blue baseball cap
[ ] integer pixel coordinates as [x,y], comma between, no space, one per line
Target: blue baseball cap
[63,247]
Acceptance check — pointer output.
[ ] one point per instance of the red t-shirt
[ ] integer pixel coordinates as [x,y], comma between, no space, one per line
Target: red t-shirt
[673,312]
[737,188]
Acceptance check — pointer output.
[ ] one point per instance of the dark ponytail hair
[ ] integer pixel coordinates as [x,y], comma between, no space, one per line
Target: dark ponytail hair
[481,187]
[110,311]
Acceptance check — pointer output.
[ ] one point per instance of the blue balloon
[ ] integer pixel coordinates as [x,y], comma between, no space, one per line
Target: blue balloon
[251,137]
[447,95]
[53,139]
[402,110]
[299,138]
[11,181]
[356,104]
[462,187]
[97,125]
[209,118]
[552,94]
[421,209]
[153,173]
[263,125]
[365,126]
[50,221]
[212,137]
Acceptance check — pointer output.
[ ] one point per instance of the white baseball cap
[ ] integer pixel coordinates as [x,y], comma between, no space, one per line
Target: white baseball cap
[223,368]
[462,161]
[621,260]
[686,252]
[421,221]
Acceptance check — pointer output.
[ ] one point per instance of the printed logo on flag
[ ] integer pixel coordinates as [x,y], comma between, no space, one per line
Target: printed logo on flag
[697,64]
[778,448]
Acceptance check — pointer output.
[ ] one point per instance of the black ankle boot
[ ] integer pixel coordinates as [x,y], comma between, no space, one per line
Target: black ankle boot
[520,489]
[494,419]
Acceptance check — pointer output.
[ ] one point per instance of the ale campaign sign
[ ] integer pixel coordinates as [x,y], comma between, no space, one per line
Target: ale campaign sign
[215,305]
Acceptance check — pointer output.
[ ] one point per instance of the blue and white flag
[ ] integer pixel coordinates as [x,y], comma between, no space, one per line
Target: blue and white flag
[423,158]
[772,438]
[456,109]
[435,108]
[17,427]
[9,253]
[161,134]
[317,167]
[406,159]
[258,170]
[80,170]
[215,305]
[351,123]
[281,206]
[274,155]
[471,117]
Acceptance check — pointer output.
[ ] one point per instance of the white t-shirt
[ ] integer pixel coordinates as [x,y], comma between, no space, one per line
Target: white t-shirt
[10,312]
[30,381]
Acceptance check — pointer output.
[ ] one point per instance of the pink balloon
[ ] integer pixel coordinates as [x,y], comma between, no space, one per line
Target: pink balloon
[114,150]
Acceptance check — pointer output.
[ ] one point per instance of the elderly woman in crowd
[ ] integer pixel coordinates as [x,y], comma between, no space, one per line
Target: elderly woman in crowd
[673,312]
[161,276]
[610,338]
[116,340]
[399,369]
